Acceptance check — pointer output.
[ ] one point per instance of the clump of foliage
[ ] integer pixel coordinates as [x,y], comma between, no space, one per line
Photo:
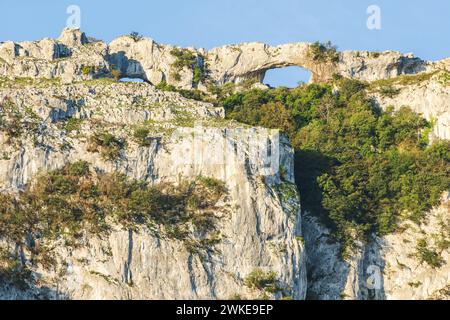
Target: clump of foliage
[187,59]
[428,255]
[72,124]
[444,78]
[389,91]
[75,201]
[141,135]
[402,80]
[20,82]
[359,168]
[189,94]
[16,122]
[263,281]
[87,70]
[109,146]
[184,58]
[12,273]
[136,36]
[323,52]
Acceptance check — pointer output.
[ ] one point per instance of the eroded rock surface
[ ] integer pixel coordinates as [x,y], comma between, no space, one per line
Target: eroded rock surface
[393,261]
[259,219]
[73,58]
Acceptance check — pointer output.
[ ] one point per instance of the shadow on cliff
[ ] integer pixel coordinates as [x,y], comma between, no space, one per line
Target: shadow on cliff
[13,288]
[329,276]
[129,68]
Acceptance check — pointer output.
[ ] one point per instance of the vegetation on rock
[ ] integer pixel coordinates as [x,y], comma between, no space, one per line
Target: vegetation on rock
[323,52]
[136,36]
[109,146]
[16,122]
[75,201]
[189,94]
[186,59]
[361,169]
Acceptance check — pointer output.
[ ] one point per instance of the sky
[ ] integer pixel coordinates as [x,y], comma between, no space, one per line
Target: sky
[421,27]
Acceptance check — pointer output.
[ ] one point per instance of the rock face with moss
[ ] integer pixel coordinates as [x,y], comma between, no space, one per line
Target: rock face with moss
[156,137]
[411,264]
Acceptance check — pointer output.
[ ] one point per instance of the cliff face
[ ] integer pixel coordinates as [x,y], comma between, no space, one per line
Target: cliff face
[259,219]
[393,262]
[428,95]
[62,96]
[394,259]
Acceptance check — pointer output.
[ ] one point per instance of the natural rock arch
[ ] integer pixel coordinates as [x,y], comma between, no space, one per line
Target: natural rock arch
[287,77]
[85,58]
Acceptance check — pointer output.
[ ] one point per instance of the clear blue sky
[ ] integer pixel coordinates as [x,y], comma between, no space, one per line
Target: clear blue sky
[421,27]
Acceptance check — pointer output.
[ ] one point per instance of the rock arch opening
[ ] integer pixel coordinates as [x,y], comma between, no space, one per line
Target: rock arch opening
[131,80]
[289,77]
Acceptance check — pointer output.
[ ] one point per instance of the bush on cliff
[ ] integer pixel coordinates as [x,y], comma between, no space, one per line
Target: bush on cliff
[75,201]
[359,168]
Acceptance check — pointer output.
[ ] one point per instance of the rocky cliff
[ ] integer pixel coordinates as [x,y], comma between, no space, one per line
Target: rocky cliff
[259,219]
[393,263]
[73,57]
[56,95]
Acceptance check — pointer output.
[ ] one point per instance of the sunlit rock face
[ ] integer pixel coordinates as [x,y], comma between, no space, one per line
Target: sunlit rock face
[259,221]
[260,217]
[73,57]
[391,263]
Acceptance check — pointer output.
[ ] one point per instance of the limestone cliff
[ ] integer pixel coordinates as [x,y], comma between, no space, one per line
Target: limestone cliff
[259,219]
[61,93]
[394,261]
[428,95]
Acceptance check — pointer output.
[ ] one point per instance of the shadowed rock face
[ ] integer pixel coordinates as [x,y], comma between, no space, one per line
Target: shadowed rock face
[73,57]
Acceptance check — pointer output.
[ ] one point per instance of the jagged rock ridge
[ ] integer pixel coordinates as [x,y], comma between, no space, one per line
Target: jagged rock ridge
[72,57]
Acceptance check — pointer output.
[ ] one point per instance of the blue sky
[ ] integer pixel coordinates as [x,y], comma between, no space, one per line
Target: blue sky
[415,26]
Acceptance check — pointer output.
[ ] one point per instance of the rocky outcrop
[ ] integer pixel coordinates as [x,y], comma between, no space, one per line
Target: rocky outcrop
[72,57]
[391,267]
[428,95]
[259,220]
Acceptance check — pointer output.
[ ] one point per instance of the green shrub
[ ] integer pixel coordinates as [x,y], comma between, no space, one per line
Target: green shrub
[357,167]
[141,135]
[427,255]
[389,91]
[198,75]
[323,52]
[13,273]
[186,59]
[72,124]
[86,70]
[16,122]
[80,169]
[261,280]
[74,201]
[107,144]
[212,184]
[189,94]
[164,86]
[136,36]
